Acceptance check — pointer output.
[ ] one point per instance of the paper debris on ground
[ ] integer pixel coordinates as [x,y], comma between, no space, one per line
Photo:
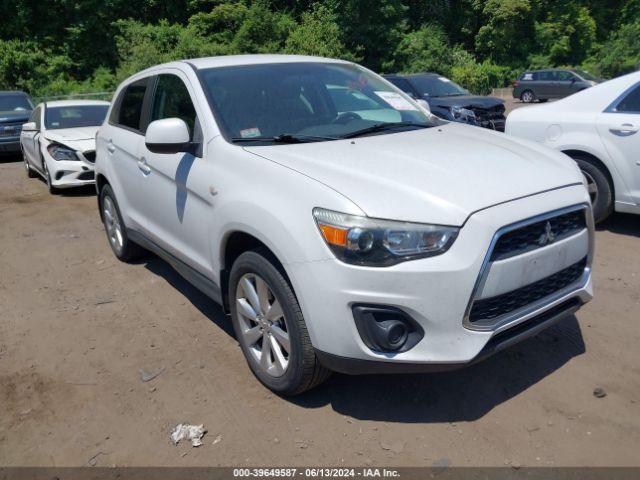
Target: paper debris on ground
[190,432]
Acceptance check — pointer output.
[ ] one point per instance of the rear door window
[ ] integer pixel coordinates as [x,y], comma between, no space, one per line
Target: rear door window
[547,76]
[630,103]
[129,110]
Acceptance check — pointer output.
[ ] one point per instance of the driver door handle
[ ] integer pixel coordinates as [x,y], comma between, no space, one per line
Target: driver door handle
[111,147]
[624,130]
[144,166]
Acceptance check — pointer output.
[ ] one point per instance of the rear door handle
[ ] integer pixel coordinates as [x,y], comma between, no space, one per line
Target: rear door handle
[624,130]
[143,166]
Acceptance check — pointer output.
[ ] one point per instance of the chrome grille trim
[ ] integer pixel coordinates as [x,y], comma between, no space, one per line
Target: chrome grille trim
[514,317]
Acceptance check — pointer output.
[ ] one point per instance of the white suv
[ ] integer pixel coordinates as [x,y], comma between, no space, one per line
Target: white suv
[340,224]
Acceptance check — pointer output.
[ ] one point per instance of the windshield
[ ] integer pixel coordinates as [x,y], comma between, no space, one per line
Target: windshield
[15,103]
[75,116]
[586,75]
[437,86]
[310,101]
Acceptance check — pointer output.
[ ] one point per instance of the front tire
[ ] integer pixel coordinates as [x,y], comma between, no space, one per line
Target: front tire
[27,167]
[47,178]
[598,185]
[123,248]
[270,327]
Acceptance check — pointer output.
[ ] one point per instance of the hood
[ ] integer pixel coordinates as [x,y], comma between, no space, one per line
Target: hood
[12,117]
[81,138]
[466,101]
[438,175]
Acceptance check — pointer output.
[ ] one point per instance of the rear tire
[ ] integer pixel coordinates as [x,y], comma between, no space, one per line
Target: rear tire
[599,186]
[527,96]
[265,309]
[123,248]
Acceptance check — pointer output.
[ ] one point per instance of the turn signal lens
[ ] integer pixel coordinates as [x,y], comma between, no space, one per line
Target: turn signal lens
[333,235]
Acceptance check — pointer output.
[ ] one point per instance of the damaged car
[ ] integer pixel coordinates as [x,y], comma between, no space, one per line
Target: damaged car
[450,101]
[58,142]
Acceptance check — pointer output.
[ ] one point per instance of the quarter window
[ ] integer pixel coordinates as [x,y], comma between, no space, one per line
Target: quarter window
[630,103]
[172,100]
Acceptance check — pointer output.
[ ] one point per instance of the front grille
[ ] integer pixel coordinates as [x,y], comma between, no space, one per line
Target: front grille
[10,129]
[90,156]
[532,236]
[495,307]
[494,113]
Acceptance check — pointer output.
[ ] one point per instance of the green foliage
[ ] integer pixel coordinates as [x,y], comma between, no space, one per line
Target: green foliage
[620,54]
[481,78]
[507,33]
[92,45]
[318,33]
[566,36]
[424,50]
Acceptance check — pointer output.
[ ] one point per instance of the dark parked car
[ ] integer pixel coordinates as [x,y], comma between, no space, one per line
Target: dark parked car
[450,101]
[553,83]
[15,109]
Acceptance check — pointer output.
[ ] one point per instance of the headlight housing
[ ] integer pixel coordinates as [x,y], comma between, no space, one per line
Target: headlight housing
[380,243]
[462,114]
[61,153]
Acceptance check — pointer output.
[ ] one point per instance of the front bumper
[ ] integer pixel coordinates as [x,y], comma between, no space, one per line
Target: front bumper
[67,174]
[10,145]
[435,292]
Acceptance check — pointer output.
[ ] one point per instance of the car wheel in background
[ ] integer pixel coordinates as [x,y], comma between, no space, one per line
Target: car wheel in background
[27,167]
[122,247]
[598,185]
[270,327]
[527,96]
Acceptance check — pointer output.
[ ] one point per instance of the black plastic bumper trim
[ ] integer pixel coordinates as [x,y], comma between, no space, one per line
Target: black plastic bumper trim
[499,342]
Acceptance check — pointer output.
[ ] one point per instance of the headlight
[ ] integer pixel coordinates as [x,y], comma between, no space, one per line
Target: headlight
[60,152]
[463,114]
[380,243]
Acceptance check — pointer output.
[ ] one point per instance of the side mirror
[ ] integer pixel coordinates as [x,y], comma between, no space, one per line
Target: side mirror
[29,127]
[424,104]
[169,135]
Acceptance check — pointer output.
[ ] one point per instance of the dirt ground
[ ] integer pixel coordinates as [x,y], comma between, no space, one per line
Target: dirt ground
[77,326]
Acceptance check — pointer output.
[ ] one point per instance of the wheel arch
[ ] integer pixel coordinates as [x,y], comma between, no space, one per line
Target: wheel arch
[576,153]
[101,181]
[236,243]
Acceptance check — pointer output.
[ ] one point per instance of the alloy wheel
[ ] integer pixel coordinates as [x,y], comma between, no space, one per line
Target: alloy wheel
[592,187]
[112,224]
[263,325]
[527,97]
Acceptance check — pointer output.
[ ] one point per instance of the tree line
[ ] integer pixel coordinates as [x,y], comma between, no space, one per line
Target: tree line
[69,46]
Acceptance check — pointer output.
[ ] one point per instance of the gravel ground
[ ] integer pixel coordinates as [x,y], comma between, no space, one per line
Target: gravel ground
[77,326]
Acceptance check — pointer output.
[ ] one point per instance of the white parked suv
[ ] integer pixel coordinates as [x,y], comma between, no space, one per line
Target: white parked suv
[598,128]
[58,143]
[342,226]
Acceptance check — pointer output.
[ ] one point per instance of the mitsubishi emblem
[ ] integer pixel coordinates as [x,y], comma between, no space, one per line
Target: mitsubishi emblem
[547,237]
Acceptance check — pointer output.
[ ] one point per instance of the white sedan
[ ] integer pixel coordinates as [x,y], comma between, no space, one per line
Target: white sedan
[58,142]
[598,128]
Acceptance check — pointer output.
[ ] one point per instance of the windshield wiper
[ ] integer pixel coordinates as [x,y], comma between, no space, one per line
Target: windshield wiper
[381,127]
[284,138]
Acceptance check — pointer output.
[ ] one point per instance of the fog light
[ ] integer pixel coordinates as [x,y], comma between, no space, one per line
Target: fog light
[386,329]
